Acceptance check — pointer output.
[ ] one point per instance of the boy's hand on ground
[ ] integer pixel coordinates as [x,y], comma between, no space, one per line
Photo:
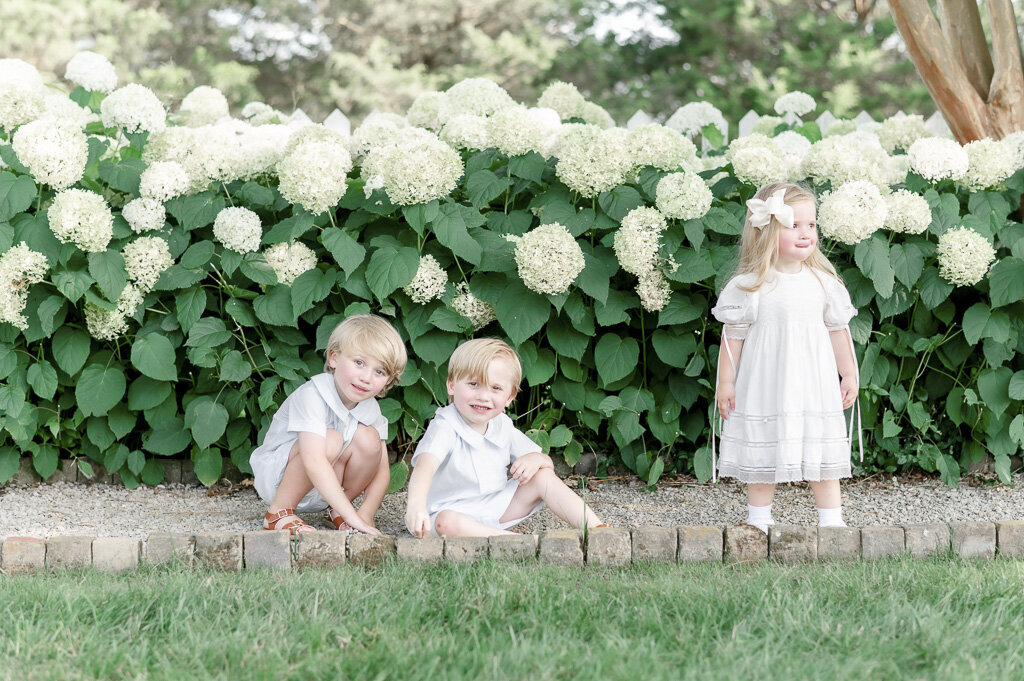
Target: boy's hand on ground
[848,388]
[359,525]
[418,522]
[726,399]
[526,466]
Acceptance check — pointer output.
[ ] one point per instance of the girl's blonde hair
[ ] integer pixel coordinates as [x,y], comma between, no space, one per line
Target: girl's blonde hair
[374,336]
[759,247]
[472,359]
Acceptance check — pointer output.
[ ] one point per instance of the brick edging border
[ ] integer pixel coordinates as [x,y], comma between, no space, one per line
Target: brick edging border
[613,546]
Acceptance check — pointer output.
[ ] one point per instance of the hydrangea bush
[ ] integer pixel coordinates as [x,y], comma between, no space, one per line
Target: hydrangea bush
[167,278]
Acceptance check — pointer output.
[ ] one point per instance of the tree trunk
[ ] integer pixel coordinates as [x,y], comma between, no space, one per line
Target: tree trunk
[980,94]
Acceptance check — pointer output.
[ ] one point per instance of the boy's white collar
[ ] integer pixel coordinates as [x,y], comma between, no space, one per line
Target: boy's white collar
[366,412]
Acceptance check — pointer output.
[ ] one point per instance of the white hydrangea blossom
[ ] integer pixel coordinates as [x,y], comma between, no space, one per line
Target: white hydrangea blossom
[792,144]
[766,125]
[840,126]
[22,93]
[203,106]
[907,212]
[415,168]
[425,111]
[467,132]
[289,260]
[594,114]
[145,259]
[238,229]
[691,118]
[314,175]
[990,164]
[258,113]
[564,98]
[58,107]
[133,108]
[654,290]
[92,71]
[843,159]
[81,217]
[377,129]
[964,256]
[472,308]
[478,96]
[1015,141]
[637,240]
[758,166]
[314,132]
[548,258]
[56,152]
[20,267]
[163,181]
[852,213]
[515,130]
[258,151]
[796,103]
[144,215]
[108,325]
[661,147]
[899,132]
[935,159]
[683,196]
[592,160]
[429,283]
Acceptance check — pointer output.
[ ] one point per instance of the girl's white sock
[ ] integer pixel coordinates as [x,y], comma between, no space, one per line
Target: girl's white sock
[760,517]
[831,517]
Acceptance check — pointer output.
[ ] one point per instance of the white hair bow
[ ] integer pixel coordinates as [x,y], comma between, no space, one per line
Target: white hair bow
[761,212]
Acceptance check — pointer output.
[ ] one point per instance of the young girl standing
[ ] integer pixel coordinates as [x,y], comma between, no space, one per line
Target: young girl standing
[786,369]
[459,484]
[325,445]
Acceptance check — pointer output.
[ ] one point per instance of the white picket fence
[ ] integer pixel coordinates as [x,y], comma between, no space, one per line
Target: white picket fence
[935,123]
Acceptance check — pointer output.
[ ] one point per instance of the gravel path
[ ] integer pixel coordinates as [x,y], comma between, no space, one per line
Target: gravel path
[48,510]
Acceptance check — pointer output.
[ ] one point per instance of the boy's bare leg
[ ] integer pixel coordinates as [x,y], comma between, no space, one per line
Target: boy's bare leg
[563,502]
[296,484]
[359,463]
[455,524]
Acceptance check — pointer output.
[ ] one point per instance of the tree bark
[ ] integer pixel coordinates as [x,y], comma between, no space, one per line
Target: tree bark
[961,24]
[1006,97]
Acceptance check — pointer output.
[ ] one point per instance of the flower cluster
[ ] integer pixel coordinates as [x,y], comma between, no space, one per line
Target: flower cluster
[20,267]
[935,159]
[796,103]
[466,131]
[843,159]
[163,181]
[758,160]
[81,217]
[238,229]
[258,113]
[478,96]
[516,130]
[415,168]
[852,213]
[964,256]
[899,132]
[425,111]
[377,130]
[637,240]
[133,108]
[21,93]
[661,147]
[314,132]
[203,106]
[691,118]
[108,325]
[145,259]
[429,283]
[595,114]
[766,125]
[990,163]
[59,108]
[653,290]
[289,260]
[907,212]
[314,175]
[548,258]
[564,98]
[683,196]
[591,160]
[472,308]
[792,144]
[144,215]
[56,152]
[92,71]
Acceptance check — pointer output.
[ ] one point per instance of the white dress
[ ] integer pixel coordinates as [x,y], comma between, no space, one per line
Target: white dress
[788,423]
[472,477]
[313,407]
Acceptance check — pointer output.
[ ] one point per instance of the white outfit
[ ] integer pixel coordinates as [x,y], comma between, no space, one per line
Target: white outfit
[472,477]
[314,407]
[788,423]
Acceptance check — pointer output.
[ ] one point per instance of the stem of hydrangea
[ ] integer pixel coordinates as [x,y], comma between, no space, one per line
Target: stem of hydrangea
[643,351]
[227,194]
[330,214]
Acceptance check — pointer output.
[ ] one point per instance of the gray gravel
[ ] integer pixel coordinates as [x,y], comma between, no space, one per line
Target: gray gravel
[47,510]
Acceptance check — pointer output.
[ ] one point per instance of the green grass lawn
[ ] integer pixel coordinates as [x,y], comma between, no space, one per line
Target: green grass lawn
[906,619]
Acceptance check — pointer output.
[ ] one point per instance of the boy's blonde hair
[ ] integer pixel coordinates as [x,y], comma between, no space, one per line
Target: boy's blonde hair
[472,358]
[759,247]
[373,335]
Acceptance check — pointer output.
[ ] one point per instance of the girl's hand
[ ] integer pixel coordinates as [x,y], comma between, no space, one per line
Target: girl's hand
[848,388]
[726,399]
[366,522]
[526,466]
[418,521]
[359,525]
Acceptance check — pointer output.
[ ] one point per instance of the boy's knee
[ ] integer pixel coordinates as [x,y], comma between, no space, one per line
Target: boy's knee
[366,441]
[446,523]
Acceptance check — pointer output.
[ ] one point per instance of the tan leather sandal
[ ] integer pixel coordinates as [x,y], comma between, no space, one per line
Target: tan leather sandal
[338,522]
[285,519]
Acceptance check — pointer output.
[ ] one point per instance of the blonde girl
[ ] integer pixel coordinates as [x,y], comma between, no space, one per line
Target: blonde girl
[786,368]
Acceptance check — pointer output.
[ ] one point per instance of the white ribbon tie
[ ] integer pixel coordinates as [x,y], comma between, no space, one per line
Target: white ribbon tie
[761,212]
